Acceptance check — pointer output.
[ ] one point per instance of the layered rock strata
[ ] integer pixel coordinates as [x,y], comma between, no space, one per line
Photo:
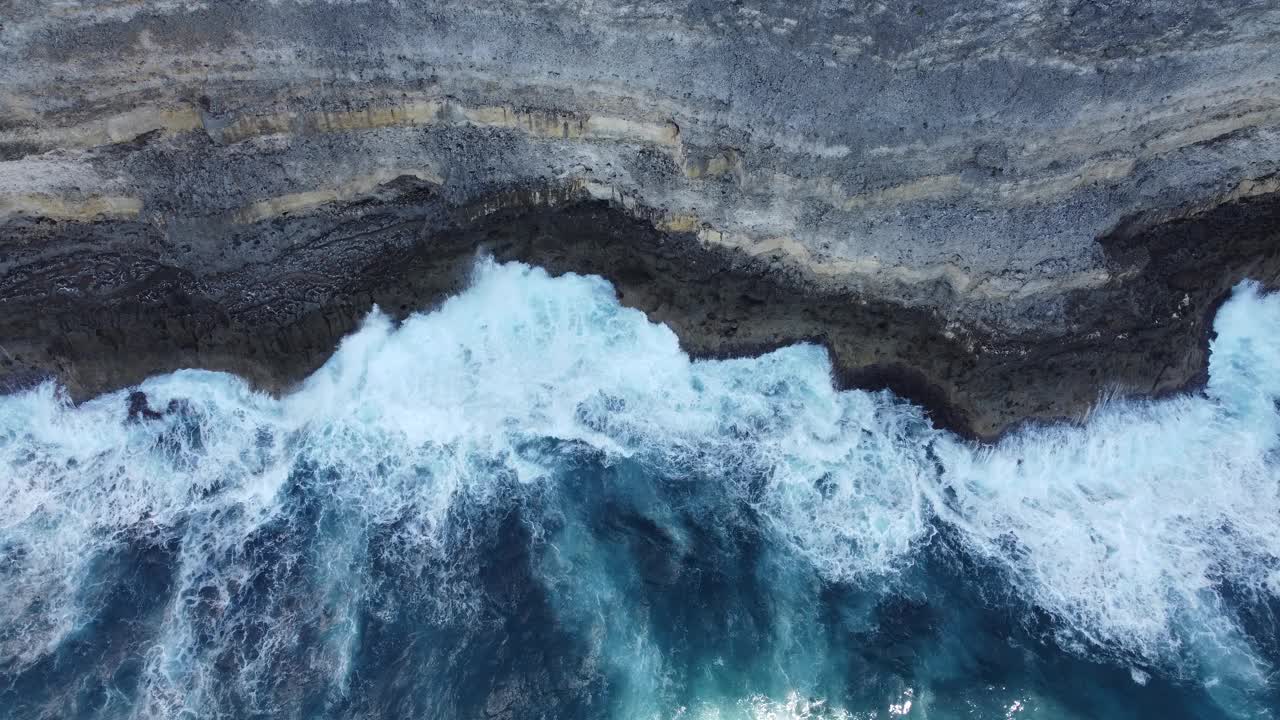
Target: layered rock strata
[1003,210]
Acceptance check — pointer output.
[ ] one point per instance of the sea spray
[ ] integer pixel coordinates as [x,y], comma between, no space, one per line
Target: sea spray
[530,498]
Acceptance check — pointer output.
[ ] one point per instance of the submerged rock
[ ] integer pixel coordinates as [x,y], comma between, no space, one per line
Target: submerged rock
[140,409]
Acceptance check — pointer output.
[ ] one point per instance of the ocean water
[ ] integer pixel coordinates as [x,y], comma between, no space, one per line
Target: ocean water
[529,503]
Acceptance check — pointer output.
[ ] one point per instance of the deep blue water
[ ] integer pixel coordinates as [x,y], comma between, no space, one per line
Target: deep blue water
[531,504]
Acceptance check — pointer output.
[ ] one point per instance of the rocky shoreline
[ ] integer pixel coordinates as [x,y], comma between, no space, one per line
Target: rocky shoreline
[1001,215]
[124,317]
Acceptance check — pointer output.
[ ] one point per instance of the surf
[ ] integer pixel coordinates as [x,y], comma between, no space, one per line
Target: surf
[532,466]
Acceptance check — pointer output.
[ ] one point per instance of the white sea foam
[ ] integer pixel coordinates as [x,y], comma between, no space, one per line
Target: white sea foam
[1127,531]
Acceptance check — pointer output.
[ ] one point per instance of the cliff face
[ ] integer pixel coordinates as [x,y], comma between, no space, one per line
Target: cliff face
[1003,209]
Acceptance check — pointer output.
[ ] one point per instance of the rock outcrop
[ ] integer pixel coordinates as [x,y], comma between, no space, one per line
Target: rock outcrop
[1004,210]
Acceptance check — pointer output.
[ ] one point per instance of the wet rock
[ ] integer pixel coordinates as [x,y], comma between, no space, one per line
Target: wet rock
[998,213]
[140,409]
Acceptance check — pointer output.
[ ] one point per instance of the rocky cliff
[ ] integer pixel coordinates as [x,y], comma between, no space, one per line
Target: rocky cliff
[1004,209]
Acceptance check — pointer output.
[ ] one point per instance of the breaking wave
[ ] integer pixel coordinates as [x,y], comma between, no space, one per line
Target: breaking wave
[531,503]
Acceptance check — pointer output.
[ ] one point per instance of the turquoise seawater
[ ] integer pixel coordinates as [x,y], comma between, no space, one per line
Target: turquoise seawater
[530,503]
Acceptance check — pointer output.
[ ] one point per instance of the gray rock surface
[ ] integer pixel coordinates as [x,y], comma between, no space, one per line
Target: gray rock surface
[1003,209]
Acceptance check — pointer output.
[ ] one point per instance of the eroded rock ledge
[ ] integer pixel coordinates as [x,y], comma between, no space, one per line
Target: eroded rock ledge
[102,320]
[1001,210]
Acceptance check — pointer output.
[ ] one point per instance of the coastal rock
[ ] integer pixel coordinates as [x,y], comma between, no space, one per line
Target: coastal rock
[1005,211]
